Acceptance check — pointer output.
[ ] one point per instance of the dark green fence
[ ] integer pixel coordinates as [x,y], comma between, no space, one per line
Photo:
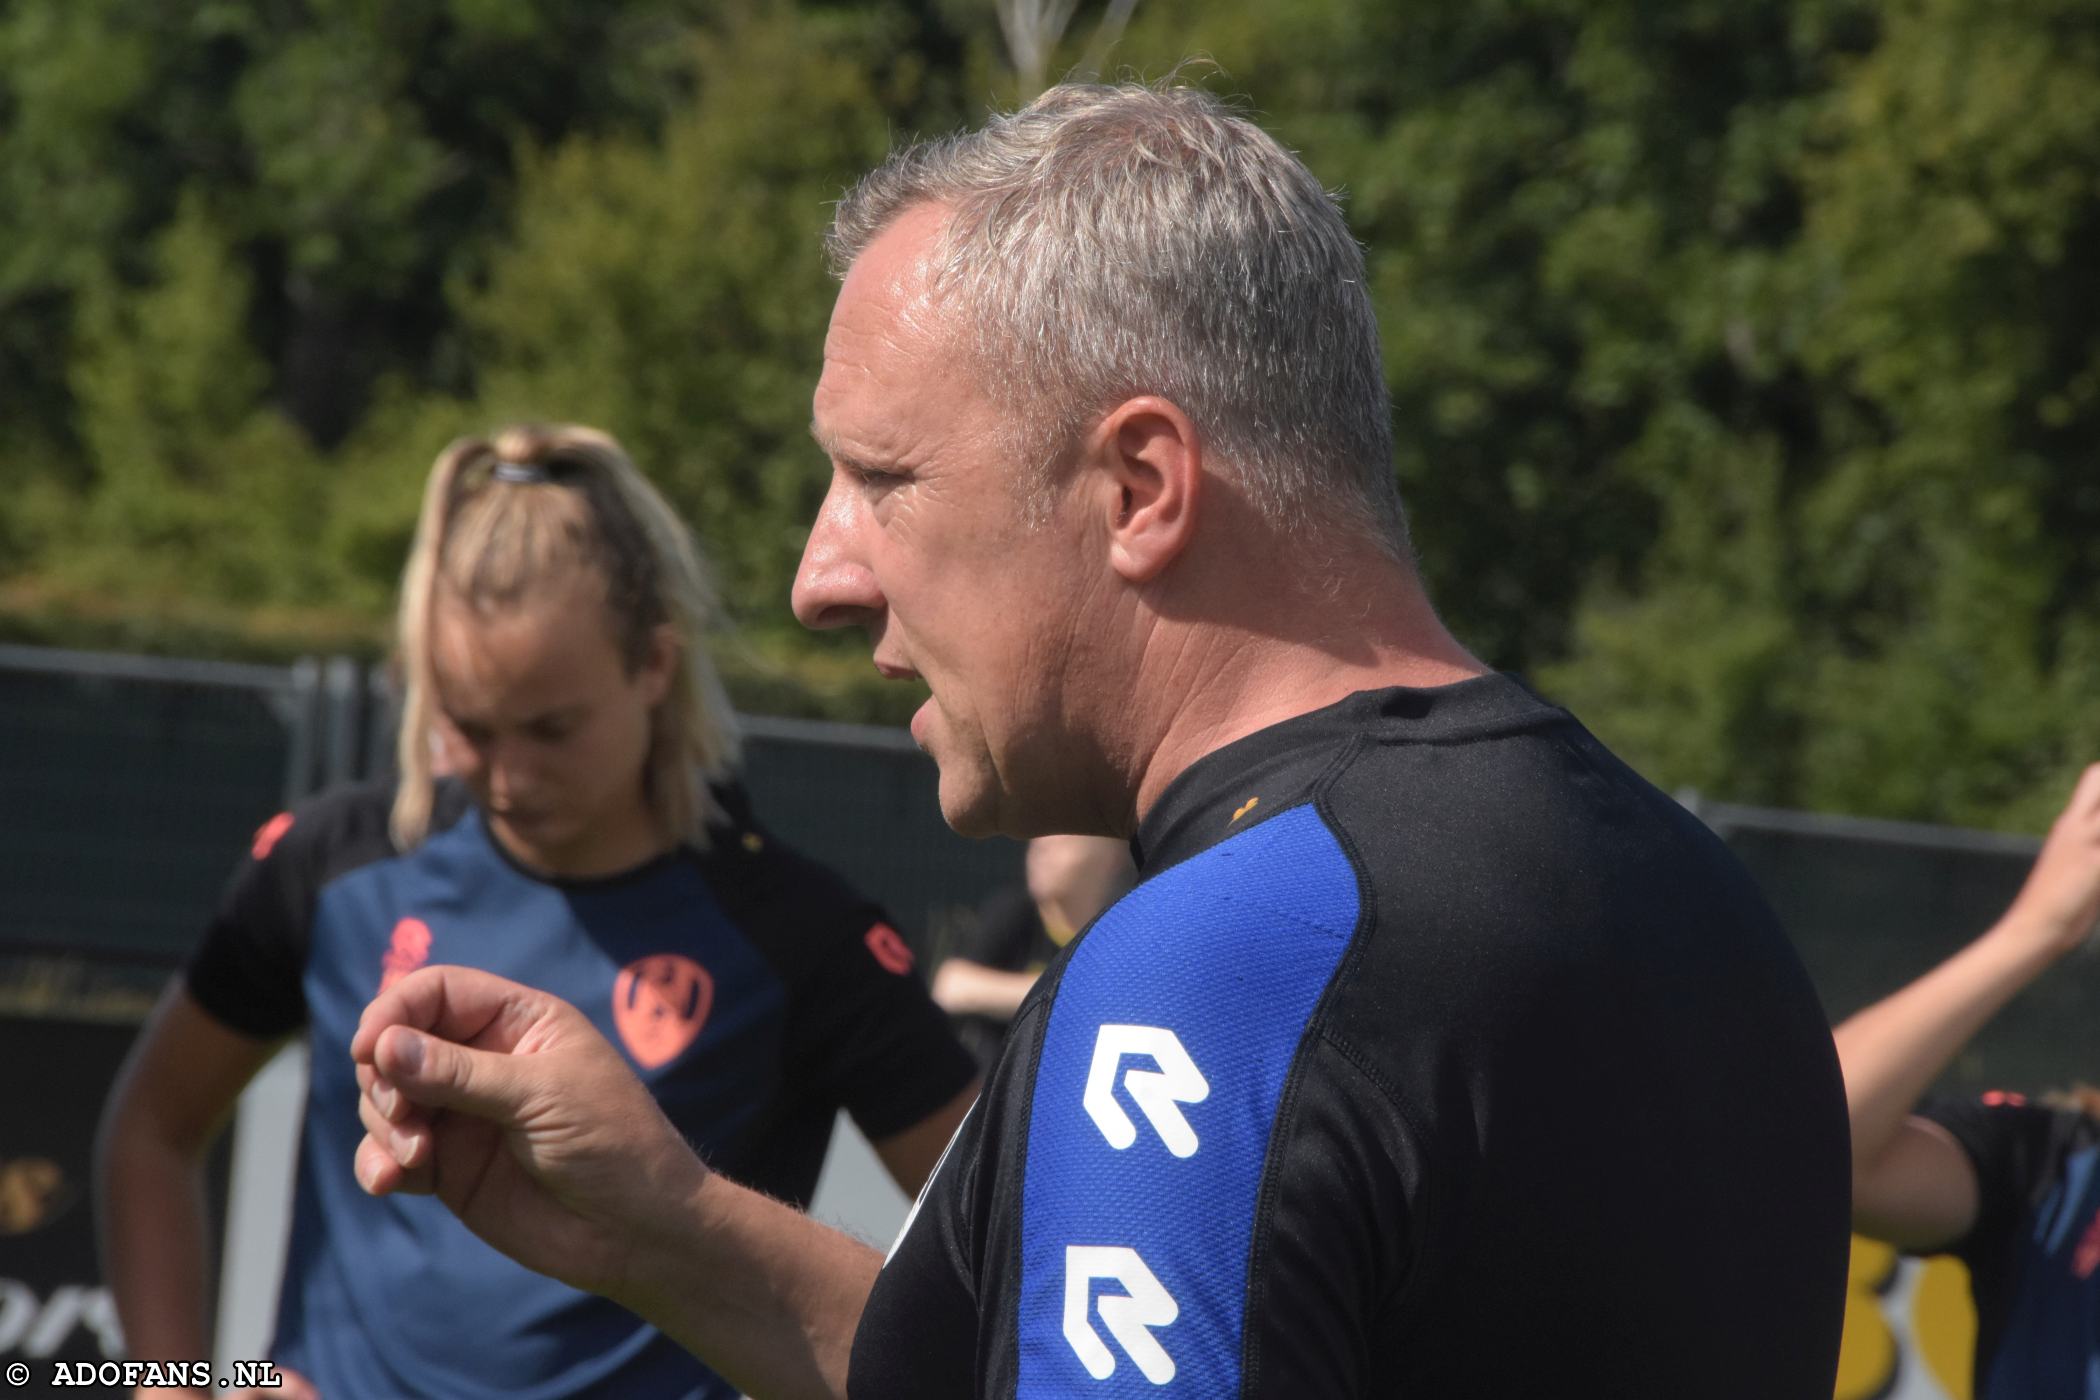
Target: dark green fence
[1873,904]
[129,787]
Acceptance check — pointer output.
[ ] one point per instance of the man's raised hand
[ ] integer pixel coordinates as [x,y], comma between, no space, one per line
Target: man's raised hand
[506,1104]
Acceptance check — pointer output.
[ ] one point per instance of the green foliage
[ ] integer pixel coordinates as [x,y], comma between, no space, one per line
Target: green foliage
[675,288]
[195,481]
[1744,355]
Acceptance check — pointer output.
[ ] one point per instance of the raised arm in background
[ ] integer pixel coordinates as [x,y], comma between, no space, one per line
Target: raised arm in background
[1911,1183]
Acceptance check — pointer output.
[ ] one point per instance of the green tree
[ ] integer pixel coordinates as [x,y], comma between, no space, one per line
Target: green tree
[195,483]
[1744,355]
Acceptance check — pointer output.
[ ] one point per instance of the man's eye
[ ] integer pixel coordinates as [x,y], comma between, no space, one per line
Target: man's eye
[474,734]
[550,731]
[873,479]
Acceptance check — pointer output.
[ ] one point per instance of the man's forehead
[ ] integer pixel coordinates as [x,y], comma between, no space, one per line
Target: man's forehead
[892,334]
[904,258]
[892,288]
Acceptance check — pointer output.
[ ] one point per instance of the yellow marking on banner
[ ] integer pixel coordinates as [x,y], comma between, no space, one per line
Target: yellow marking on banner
[1940,1323]
[1867,1358]
[1943,1319]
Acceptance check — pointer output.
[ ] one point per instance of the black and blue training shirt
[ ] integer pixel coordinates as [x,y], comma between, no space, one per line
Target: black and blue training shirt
[1437,1054]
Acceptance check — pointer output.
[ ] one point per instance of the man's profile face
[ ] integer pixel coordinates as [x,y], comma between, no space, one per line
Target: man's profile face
[921,540]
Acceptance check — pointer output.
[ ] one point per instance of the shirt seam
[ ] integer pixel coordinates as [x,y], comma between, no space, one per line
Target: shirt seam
[1270,1189]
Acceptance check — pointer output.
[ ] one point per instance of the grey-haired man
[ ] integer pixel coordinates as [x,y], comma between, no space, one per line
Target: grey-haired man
[1435,1053]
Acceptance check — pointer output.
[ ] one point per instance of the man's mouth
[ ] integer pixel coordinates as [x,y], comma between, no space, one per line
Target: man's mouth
[894,670]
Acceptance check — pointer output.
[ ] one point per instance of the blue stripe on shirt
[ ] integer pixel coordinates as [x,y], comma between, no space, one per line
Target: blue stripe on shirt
[1169,1043]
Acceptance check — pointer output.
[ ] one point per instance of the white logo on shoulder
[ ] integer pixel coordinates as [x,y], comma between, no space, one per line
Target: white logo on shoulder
[1157,1091]
[1129,1316]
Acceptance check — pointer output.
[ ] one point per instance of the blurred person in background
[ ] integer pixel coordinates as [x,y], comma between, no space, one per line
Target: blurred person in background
[2008,1186]
[1016,932]
[591,842]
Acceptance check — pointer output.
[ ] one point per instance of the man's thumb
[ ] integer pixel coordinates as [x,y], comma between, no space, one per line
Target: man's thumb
[439,1074]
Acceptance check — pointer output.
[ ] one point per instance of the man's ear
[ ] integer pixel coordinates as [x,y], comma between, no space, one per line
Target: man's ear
[1150,460]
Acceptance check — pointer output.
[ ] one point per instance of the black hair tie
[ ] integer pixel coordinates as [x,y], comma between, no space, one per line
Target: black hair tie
[520,473]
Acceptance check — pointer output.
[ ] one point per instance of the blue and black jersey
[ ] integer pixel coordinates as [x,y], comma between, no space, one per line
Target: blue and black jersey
[1436,1054]
[2034,1252]
[753,992]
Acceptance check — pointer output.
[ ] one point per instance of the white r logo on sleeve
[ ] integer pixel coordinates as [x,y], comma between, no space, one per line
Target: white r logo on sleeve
[1129,1316]
[1156,1091]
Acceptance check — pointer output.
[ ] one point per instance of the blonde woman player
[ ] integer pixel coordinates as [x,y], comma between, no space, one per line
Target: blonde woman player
[591,842]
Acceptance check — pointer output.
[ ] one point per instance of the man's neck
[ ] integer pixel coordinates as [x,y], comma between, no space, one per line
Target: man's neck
[1205,684]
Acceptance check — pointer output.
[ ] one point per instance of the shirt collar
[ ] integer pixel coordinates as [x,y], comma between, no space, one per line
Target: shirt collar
[1231,788]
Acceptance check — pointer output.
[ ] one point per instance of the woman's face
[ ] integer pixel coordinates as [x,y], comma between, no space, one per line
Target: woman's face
[541,718]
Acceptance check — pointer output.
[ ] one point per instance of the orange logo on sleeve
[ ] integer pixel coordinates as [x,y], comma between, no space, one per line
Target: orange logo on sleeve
[409,951]
[266,835]
[659,1005]
[889,949]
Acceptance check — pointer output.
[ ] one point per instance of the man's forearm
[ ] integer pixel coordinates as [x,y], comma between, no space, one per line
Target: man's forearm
[756,1289]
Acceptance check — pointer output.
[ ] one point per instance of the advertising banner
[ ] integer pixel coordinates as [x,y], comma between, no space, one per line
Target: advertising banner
[54,1305]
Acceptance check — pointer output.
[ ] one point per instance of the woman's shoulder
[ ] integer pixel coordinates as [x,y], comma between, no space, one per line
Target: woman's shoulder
[327,822]
[346,826]
[748,863]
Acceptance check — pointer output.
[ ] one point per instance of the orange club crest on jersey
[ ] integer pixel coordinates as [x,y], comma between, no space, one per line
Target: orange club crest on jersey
[659,1005]
[408,950]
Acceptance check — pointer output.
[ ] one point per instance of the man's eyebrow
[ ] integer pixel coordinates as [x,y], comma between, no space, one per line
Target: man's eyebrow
[830,447]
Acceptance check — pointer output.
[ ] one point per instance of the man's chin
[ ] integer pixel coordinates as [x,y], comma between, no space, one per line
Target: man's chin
[974,821]
[970,807]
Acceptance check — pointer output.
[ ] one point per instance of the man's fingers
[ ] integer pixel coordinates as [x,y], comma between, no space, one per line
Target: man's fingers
[375,1088]
[381,1175]
[438,1074]
[404,1132]
[458,1003]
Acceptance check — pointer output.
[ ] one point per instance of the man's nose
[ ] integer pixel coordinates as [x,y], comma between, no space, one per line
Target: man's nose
[834,587]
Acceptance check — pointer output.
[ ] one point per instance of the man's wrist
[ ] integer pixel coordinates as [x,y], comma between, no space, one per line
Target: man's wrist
[667,1237]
